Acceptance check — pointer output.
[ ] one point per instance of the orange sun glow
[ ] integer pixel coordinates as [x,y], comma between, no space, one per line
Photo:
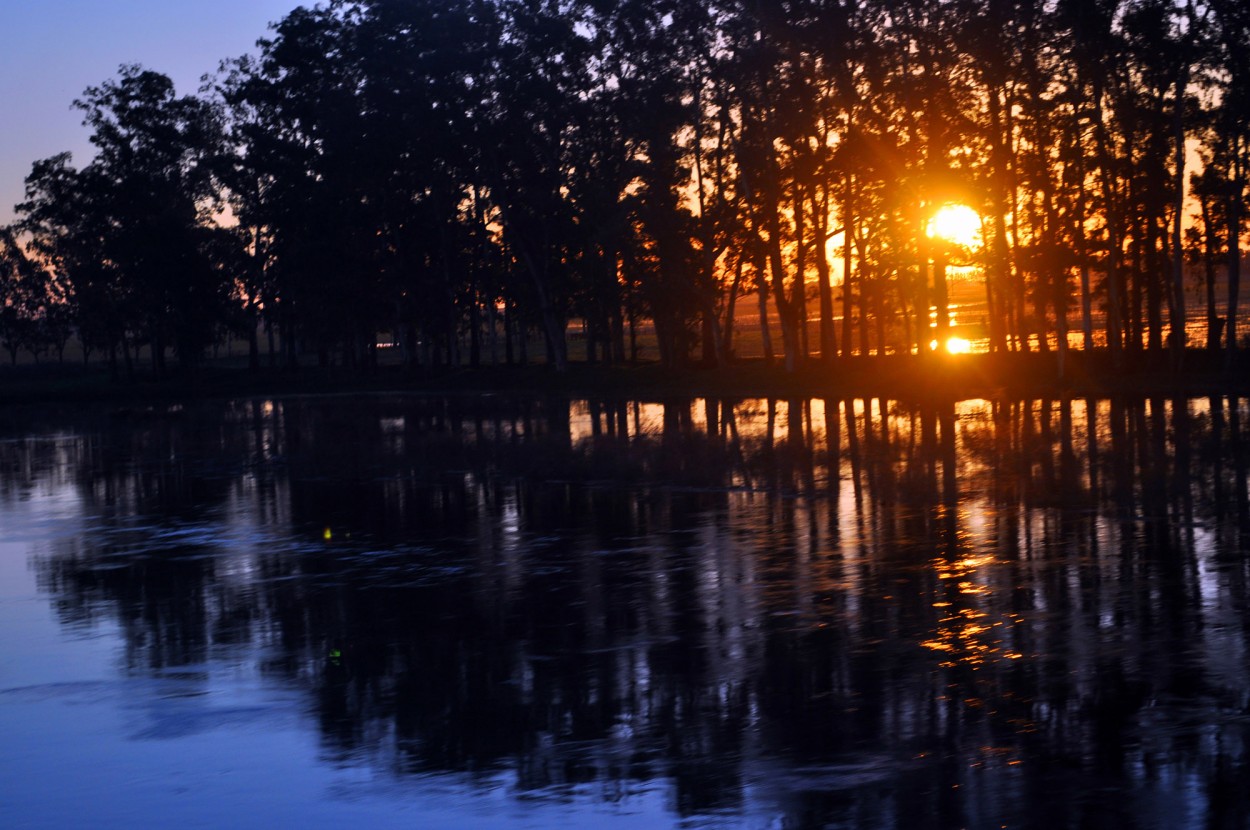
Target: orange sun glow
[954,345]
[955,223]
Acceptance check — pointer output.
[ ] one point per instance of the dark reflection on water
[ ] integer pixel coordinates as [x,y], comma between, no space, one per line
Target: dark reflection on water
[808,613]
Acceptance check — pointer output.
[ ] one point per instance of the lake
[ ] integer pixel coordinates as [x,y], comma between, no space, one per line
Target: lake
[503,612]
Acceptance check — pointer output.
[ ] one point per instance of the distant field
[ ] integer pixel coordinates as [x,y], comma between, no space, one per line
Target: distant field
[968,316]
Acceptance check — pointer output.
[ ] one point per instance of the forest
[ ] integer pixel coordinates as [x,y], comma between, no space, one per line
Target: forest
[463,180]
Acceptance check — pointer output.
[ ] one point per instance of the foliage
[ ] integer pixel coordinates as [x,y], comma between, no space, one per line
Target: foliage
[459,175]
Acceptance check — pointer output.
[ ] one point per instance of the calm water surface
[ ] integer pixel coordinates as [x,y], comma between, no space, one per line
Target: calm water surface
[490,612]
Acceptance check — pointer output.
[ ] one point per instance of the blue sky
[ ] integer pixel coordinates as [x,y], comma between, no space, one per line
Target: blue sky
[51,50]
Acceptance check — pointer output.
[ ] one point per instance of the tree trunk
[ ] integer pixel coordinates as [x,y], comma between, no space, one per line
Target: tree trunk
[766,334]
[798,293]
[731,305]
[848,286]
[1154,296]
[1114,327]
[1178,207]
[553,330]
[492,332]
[941,298]
[824,286]
[998,273]
[128,358]
[253,346]
[1234,252]
[1210,255]
[475,328]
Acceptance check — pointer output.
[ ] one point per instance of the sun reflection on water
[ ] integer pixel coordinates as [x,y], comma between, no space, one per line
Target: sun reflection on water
[967,635]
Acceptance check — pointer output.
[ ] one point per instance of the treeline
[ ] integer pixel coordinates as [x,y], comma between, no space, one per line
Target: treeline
[463,174]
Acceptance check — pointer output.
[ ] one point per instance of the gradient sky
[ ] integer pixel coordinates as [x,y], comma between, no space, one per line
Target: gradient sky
[51,50]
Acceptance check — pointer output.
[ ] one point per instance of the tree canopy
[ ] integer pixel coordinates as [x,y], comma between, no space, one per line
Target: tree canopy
[463,175]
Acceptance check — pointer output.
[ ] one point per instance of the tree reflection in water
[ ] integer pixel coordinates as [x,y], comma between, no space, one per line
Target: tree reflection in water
[856,612]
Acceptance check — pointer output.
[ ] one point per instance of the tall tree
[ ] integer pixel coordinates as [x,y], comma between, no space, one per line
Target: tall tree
[152,185]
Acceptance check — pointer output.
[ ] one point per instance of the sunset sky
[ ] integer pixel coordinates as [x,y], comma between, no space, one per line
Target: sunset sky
[53,49]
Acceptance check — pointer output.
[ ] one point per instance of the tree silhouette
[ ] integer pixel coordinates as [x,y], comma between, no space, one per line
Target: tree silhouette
[460,176]
[152,173]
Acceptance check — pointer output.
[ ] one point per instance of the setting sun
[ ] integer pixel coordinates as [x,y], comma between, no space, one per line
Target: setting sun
[955,223]
[958,345]
[954,345]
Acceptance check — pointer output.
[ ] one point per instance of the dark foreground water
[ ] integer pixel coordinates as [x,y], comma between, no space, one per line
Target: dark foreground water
[391,611]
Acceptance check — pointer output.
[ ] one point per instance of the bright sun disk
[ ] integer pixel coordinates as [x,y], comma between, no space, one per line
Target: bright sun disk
[954,345]
[958,345]
[959,224]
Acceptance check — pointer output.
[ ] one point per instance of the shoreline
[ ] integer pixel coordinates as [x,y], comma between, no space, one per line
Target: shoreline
[915,378]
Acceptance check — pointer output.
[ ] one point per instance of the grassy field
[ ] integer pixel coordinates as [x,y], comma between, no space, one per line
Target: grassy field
[225,371]
[895,376]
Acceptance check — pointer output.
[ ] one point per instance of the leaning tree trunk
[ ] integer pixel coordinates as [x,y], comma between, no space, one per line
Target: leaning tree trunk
[553,330]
